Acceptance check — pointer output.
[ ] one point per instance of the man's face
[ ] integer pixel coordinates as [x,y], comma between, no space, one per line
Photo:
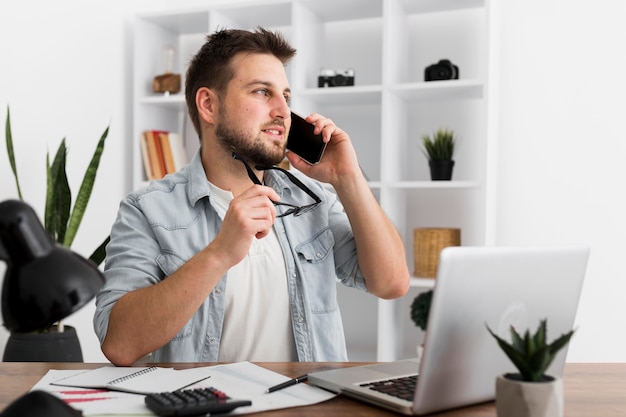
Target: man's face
[254,116]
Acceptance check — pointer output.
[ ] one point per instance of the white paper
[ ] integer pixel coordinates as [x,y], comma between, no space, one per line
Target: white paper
[241,380]
[244,380]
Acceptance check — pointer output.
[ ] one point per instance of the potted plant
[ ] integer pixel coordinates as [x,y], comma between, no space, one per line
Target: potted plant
[56,343]
[531,392]
[439,149]
[420,308]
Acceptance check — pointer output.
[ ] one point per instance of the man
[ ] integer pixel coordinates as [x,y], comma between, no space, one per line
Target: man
[205,265]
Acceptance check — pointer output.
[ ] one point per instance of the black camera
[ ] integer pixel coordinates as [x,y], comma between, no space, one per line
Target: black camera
[442,70]
[332,78]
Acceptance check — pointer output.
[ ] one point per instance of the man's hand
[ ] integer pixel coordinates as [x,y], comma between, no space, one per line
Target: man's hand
[339,160]
[249,216]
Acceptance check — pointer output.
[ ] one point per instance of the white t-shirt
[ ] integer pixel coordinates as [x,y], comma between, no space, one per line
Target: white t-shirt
[257,320]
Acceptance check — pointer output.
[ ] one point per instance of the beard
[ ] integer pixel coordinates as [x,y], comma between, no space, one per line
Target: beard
[253,149]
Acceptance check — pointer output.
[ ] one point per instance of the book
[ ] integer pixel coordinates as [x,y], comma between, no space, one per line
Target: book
[146,157]
[163,153]
[137,380]
[155,154]
[168,157]
[178,150]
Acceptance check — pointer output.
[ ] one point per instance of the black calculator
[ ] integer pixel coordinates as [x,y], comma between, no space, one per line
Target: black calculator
[192,402]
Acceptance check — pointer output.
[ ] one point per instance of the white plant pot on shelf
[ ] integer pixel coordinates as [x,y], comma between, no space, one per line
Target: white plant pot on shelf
[518,398]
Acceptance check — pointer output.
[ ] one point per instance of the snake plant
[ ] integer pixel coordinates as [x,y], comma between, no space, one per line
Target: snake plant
[60,220]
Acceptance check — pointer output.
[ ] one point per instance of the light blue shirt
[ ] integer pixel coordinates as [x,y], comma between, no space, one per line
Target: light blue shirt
[163,225]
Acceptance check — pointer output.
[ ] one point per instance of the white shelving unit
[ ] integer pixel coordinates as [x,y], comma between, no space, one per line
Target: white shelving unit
[388,43]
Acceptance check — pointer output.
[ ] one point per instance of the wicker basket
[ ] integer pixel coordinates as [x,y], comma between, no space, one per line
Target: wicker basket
[427,244]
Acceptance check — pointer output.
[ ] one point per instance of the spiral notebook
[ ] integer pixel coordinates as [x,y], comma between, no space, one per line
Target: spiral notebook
[138,380]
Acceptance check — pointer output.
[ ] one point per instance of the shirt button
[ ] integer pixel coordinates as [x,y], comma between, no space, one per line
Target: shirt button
[212,340]
[300,320]
[218,291]
[319,255]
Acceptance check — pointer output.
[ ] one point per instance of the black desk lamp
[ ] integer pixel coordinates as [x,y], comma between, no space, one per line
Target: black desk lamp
[44,283]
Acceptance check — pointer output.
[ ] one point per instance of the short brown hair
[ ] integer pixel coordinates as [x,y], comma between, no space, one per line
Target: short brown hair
[211,68]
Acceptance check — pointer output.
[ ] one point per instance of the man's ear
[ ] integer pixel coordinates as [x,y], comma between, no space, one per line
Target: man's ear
[206,102]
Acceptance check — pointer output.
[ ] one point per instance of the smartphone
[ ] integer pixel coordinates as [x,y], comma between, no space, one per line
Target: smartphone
[303,142]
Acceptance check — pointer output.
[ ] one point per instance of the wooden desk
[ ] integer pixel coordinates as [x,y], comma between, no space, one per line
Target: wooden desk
[590,389]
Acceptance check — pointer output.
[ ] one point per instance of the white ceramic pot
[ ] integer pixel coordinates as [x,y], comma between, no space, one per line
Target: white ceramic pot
[517,398]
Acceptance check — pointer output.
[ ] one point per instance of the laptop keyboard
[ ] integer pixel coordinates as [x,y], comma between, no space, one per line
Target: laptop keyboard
[403,387]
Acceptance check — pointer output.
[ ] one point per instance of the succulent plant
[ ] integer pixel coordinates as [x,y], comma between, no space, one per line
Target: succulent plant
[532,355]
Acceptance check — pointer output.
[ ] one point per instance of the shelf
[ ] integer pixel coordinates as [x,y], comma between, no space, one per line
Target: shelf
[429,6]
[432,184]
[422,282]
[439,90]
[172,102]
[182,22]
[343,95]
[420,91]
[333,10]
[388,43]
[275,13]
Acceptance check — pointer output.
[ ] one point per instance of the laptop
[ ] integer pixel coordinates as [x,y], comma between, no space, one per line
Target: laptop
[475,287]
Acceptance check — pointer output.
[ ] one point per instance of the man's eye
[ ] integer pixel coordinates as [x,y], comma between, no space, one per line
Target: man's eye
[262,92]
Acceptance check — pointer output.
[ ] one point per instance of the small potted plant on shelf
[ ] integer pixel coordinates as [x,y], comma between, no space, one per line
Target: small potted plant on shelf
[439,149]
[531,392]
[420,308]
[58,343]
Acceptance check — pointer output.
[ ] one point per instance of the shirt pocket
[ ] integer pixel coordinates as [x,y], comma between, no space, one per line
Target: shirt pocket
[319,280]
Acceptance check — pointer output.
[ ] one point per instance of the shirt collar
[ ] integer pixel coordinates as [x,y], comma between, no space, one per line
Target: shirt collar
[198,185]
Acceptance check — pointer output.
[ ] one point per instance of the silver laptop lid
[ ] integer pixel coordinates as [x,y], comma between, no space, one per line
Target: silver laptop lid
[499,287]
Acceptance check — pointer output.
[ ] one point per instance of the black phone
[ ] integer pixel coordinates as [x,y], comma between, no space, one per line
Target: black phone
[303,142]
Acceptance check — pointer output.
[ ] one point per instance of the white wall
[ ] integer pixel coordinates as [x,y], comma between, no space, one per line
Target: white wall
[562,147]
[65,72]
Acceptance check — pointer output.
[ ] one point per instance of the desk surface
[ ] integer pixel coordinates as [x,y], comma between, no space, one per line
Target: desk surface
[590,389]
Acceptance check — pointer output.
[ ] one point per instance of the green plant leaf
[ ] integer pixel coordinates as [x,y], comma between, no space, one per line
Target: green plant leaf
[100,253]
[516,356]
[84,193]
[560,343]
[10,152]
[57,220]
[440,147]
[516,339]
[58,195]
[531,355]
[420,308]
[538,362]
[541,334]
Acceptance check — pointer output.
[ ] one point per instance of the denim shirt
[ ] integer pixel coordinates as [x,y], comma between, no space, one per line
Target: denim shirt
[160,227]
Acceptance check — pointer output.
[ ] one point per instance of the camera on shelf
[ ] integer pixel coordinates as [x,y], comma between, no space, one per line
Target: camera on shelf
[332,78]
[442,70]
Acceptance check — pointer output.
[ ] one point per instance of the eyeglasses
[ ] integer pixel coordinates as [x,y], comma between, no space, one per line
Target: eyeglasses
[292,208]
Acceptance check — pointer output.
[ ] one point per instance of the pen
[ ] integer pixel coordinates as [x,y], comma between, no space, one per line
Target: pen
[289,383]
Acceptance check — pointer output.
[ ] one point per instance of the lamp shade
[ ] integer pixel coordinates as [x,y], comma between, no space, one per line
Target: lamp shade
[44,281]
[39,404]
